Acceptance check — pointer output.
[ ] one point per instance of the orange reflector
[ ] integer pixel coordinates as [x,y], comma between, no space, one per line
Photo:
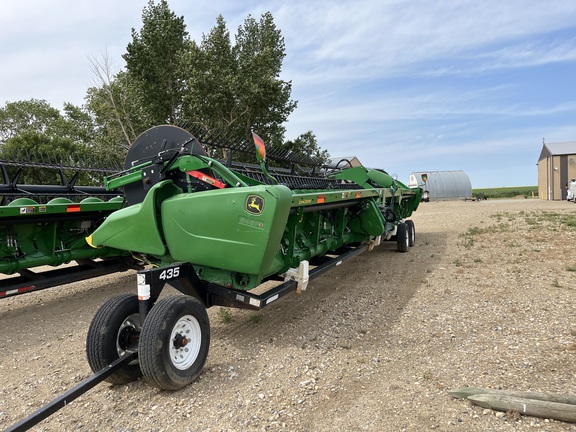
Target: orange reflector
[259,142]
[73,208]
[206,179]
[320,199]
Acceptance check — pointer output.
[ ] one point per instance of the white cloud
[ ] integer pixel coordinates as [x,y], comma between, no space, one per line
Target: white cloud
[402,84]
[361,40]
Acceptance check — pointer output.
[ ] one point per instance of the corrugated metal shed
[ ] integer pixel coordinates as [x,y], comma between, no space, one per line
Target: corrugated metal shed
[442,185]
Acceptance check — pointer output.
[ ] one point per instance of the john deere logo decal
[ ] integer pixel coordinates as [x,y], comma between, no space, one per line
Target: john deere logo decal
[255,204]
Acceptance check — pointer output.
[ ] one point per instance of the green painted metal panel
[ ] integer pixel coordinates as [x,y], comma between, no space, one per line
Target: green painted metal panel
[235,229]
[369,220]
[136,228]
[33,234]
[380,178]
[24,208]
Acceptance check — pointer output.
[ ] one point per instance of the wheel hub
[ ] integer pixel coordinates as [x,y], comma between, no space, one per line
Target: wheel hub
[186,340]
[128,335]
[180,341]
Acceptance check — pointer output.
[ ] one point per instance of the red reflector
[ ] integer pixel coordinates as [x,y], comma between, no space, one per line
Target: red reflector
[17,291]
[73,208]
[320,199]
[207,179]
[26,289]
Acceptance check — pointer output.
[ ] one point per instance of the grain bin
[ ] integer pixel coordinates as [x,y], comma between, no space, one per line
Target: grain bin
[442,185]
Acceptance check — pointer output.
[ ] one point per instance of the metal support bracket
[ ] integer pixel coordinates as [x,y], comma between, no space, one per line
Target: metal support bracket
[374,243]
[300,275]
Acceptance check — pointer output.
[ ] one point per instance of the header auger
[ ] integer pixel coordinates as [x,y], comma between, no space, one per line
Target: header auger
[220,232]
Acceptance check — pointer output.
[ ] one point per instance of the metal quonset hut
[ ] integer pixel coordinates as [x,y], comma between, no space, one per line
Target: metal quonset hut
[442,185]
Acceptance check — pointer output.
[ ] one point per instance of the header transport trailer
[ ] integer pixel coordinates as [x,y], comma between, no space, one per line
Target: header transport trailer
[220,232]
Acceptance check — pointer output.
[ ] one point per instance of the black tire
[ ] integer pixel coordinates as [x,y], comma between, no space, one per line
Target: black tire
[174,342]
[114,328]
[411,232]
[402,237]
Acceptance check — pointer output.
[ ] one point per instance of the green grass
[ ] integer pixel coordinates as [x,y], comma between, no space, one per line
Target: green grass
[506,192]
[224,315]
[560,219]
[256,318]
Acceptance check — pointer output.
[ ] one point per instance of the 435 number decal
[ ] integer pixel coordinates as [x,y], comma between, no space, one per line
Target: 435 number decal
[170,273]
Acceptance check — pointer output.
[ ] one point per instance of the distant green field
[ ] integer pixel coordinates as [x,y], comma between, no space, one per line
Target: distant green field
[506,192]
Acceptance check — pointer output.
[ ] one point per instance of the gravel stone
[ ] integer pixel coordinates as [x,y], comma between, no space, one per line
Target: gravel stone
[485,298]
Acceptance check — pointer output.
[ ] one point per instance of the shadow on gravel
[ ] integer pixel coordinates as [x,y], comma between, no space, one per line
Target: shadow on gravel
[64,303]
[349,310]
[365,294]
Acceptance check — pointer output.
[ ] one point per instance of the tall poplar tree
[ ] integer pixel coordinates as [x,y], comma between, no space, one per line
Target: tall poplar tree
[211,98]
[154,62]
[238,87]
[264,97]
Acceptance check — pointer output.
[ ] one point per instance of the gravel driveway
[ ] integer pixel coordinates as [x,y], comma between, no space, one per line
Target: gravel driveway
[485,298]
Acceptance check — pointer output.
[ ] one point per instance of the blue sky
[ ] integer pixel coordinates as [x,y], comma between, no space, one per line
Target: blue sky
[403,85]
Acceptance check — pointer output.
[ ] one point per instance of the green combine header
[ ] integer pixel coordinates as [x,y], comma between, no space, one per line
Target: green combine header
[222,233]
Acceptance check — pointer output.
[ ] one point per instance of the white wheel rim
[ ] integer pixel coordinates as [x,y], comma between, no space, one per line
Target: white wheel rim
[188,328]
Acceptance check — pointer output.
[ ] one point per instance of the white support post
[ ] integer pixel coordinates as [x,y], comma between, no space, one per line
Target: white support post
[374,242]
[299,275]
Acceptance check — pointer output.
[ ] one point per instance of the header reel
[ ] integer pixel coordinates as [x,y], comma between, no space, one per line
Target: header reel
[158,145]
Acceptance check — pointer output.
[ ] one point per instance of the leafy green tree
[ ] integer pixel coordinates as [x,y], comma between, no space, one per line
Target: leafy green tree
[77,125]
[37,116]
[226,87]
[35,131]
[154,63]
[31,145]
[237,88]
[263,97]
[28,116]
[306,144]
[211,99]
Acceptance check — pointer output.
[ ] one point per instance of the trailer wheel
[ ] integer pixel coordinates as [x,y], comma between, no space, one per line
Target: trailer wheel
[402,237]
[112,333]
[174,342]
[411,232]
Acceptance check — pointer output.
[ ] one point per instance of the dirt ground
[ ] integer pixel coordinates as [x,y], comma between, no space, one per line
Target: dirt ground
[485,298]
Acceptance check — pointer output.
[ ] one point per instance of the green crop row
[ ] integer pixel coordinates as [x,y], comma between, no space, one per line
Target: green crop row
[506,192]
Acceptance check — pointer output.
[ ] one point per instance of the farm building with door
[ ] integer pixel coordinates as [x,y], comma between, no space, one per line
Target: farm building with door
[442,185]
[556,167]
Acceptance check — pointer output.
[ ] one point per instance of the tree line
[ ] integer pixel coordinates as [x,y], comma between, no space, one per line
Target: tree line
[221,83]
